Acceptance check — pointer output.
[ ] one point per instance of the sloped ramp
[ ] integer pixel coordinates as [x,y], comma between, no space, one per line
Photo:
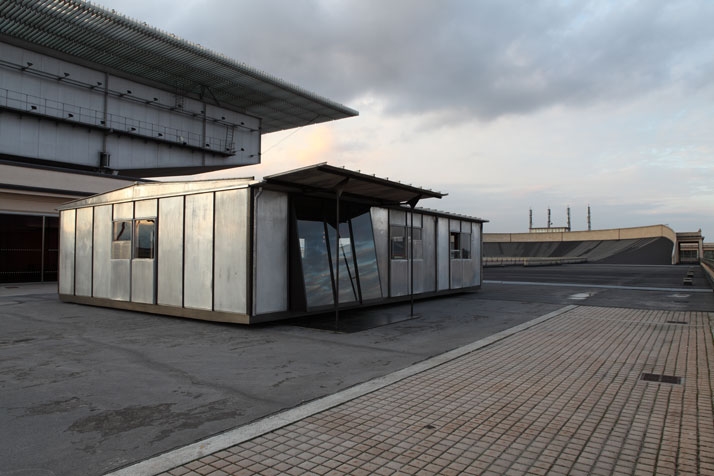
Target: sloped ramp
[656,250]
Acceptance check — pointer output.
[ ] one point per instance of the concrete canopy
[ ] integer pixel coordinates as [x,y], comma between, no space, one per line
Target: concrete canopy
[101,38]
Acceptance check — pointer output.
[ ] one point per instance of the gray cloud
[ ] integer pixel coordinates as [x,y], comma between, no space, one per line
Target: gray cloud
[465,58]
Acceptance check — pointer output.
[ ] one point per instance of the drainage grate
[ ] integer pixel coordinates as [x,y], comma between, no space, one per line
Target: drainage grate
[662,378]
[677,322]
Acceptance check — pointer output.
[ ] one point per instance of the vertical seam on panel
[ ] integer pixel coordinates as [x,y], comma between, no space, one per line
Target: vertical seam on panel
[131,252]
[155,295]
[91,267]
[42,252]
[389,253]
[59,252]
[74,267]
[447,245]
[183,254]
[213,254]
[250,235]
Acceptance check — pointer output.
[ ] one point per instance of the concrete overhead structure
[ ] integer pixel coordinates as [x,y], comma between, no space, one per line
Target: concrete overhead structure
[86,91]
[89,88]
[310,240]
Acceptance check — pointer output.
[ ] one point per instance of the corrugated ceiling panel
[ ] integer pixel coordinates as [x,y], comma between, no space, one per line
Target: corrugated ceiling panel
[110,40]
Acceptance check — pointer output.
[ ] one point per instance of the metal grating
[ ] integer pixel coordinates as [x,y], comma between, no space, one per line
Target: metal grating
[661,378]
[107,39]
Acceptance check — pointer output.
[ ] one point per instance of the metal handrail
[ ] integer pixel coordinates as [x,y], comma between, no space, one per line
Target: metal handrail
[27,103]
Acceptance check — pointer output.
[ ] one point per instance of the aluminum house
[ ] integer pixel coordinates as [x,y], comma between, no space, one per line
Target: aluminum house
[311,240]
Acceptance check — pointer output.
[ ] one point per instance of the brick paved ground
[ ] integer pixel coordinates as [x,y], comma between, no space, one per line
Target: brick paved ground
[563,397]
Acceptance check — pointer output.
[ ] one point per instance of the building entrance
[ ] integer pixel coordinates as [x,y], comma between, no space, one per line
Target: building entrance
[28,248]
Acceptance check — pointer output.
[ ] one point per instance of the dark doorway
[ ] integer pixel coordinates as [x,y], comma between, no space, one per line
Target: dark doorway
[29,248]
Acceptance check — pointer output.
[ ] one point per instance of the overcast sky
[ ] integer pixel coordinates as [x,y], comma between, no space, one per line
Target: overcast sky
[504,105]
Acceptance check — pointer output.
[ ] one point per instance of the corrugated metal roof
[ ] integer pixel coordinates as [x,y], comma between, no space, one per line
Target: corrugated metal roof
[111,40]
[328,178]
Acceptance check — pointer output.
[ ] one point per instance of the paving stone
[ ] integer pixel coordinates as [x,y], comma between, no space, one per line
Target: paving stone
[562,397]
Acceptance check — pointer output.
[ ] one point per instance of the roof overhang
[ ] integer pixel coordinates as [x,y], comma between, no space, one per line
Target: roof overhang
[323,178]
[111,42]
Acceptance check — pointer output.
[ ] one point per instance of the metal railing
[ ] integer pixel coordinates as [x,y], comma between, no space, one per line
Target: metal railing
[529,261]
[708,267]
[27,103]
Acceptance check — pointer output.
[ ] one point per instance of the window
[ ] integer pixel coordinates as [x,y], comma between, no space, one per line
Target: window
[417,243]
[399,242]
[454,245]
[137,236]
[121,240]
[144,239]
[460,245]
[465,242]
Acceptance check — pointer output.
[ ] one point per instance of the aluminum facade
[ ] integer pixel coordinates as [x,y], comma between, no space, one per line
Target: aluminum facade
[102,251]
[67,252]
[231,239]
[428,282]
[83,253]
[443,269]
[169,290]
[270,273]
[380,228]
[227,253]
[198,252]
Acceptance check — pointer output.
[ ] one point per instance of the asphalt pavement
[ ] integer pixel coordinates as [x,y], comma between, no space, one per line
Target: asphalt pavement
[86,390]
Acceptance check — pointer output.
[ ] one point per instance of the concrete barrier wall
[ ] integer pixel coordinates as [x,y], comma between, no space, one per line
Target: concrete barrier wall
[708,267]
[653,231]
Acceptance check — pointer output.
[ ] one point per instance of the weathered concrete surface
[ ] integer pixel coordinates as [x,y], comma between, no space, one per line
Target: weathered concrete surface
[85,390]
[652,231]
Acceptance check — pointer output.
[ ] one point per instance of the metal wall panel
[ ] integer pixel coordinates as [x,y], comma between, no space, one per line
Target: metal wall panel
[124,211]
[468,272]
[120,269]
[66,254]
[231,267]
[102,251]
[145,209]
[120,279]
[419,273]
[169,280]
[142,280]
[442,253]
[397,217]
[476,253]
[399,277]
[454,225]
[428,236]
[271,252]
[457,273]
[198,252]
[83,258]
[380,228]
